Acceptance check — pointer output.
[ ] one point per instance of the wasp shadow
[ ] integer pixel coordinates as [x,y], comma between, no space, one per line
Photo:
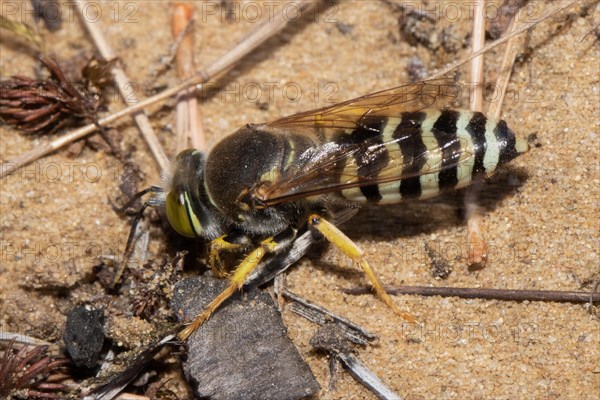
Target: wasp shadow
[413,218]
[445,211]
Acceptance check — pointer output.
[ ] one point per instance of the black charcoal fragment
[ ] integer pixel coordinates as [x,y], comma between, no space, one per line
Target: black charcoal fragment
[84,335]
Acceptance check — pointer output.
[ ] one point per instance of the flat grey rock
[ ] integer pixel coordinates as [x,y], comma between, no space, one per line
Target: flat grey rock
[242,351]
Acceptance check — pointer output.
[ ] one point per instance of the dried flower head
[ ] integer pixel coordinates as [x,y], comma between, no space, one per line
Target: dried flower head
[45,105]
[24,373]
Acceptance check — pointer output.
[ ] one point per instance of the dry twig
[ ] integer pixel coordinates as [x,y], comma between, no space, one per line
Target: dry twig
[319,315]
[508,60]
[223,64]
[489,294]
[188,122]
[526,26]
[122,81]
[331,339]
[477,244]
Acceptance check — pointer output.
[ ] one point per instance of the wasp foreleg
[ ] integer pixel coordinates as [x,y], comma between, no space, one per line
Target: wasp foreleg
[349,248]
[238,278]
[229,242]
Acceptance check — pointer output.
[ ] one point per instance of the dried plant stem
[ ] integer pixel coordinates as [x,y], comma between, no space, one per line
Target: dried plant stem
[477,43]
[504,39]
[188,124]
[20,339]
[475,237]
[508,60]
[489,294]
[228,60]
[122,81]
[367,377]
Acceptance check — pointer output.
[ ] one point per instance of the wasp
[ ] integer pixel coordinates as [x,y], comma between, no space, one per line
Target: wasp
[262,184]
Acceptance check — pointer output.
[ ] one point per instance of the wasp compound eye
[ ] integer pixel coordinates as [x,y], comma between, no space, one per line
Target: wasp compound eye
[181,216]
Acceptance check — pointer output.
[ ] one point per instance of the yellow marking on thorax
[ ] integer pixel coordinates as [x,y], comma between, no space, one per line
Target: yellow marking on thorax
[291,156]
[271,175]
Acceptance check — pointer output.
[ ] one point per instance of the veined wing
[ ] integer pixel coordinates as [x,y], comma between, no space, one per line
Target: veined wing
[349,114]
[403,138]
[425,151]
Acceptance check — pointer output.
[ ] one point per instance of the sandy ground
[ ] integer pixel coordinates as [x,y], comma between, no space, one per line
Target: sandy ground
[542,219]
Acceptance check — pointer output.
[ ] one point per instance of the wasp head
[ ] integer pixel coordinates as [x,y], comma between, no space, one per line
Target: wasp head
[188,206]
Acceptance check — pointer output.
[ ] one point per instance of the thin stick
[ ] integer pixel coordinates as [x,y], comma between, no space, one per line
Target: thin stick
[477,43]
[475,237]
[489,294]
[367,377]
[503,39]
[122,82]
[508,60]
[188,124]
[131,396]
[21,339]
[228,60]
[593,292]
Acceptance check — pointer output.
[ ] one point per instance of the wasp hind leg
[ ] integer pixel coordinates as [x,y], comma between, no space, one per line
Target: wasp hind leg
[238,278]
[349,248]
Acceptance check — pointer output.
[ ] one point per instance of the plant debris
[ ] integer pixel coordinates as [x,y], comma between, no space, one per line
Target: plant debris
[24,373]
[46,105]
[153,287]
[331,339]
[117,373]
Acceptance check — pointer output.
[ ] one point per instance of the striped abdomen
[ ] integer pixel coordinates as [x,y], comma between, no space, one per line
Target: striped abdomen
[420,154]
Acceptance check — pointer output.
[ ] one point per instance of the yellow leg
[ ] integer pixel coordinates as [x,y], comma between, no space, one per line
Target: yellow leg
[347,246]
[236,282]
[216,247]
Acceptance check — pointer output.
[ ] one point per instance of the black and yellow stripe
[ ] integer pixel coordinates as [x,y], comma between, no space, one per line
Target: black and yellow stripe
[370,158]
[408,135]
[438,151]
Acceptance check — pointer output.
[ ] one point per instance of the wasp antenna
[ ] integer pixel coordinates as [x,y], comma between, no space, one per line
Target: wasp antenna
[121,210]
[130,239]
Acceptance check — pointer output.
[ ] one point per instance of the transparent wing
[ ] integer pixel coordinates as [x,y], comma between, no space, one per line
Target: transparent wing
[437,93]
[336,168]
[357,150]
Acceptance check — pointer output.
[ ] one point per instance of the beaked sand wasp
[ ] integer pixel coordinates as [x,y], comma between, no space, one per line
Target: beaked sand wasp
[263,183]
